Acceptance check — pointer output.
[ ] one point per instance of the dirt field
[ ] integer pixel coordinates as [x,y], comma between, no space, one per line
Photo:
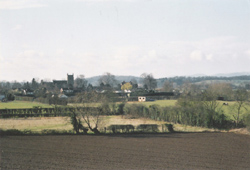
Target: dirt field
[127,151]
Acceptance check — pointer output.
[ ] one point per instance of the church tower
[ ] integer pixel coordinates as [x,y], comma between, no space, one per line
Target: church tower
[70,80]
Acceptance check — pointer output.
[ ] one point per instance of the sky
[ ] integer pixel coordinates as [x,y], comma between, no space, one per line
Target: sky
[48,39]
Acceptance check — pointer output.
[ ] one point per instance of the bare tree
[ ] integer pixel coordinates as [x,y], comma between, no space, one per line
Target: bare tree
[149,82]
[241,98]
[81,82]
[168,86]
[91,115]
[108,79]
[222,90]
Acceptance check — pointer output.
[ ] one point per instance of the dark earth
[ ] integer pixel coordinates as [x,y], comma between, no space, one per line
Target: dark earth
[127,151]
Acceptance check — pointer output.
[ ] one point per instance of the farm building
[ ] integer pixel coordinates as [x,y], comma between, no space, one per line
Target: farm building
[141,98]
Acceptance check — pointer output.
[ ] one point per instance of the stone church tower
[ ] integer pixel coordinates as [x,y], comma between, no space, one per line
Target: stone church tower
[70,80]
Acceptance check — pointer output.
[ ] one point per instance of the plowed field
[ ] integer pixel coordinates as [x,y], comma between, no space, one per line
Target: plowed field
[129,151]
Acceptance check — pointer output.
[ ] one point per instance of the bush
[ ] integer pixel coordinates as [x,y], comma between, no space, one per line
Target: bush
[11,132]
[123,128]
[120,110]
[170,127]
[147,128]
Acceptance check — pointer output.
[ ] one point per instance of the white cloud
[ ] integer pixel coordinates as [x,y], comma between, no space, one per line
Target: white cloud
[172,58]
[20,4]
[209,57]
[196,55]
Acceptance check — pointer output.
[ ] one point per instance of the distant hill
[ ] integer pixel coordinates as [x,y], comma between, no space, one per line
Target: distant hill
[94,80]
[232,74]
[234,78]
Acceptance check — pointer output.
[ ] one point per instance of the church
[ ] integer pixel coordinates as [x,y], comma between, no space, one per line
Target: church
[69,83]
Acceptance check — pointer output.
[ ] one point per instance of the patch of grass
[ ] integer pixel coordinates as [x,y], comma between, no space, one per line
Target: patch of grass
[22,104]
[41,128]
[84,104]
[161,103]
[36,124]
[228,109]
[51,124]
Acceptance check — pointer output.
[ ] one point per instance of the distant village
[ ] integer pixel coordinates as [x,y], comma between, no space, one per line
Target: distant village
[146,90]
[67,89]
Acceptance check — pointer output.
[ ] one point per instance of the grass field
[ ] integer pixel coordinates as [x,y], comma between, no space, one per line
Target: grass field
[227,110]
[37,124]
[21,104]
[161,103]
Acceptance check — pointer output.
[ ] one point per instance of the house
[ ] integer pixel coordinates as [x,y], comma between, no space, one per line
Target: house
[2,97]
[141,98]
[28,92]
[62,96]
[66,90]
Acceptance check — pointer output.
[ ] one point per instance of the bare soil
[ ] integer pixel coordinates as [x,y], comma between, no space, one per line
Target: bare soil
[127,151]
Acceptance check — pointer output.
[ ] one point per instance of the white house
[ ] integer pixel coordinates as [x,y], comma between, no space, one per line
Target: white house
[141,98]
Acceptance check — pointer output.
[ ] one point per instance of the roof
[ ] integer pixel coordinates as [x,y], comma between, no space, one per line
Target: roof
[62,96]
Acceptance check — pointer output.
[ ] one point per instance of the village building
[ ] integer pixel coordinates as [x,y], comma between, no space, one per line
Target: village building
[69,83]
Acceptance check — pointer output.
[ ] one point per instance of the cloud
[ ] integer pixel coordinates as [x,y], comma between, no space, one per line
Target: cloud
[209,57]
[196,55]
[20,4]
[170,59]
[17,27]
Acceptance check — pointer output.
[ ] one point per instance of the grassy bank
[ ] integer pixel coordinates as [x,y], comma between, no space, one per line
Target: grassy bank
[39,124]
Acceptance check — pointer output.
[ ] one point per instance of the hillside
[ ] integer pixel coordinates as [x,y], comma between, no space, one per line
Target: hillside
[94,80]
[239,79]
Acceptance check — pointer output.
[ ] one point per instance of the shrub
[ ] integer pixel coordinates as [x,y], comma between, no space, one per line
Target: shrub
[120,110]
[170,127]
[147,128]
[11,132]
[123,128]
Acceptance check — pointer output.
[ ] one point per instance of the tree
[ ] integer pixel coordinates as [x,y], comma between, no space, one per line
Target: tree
[241,97]
[91,115]
[148,81]
[90,87]
[81,82]
[16,85]
[34,84]
[108,79]
[190,89]
[212,107]
[26,85]
[222,90]
[168,86]
[126,86]
[41,92]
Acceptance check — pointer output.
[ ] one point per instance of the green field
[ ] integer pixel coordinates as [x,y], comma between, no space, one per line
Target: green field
[227,110]
[21,105]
